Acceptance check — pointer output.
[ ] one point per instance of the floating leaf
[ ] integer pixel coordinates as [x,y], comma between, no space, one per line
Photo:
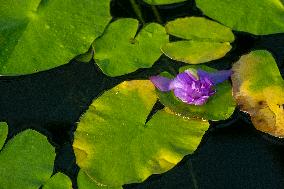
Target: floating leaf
[162,2]
[120,51]
[205,40]
[195,52]
[26,161]
[259,17]
[3,133]
[38,35]
[58,181]
[259,90]
[85,182]
[114,146]
[219,107]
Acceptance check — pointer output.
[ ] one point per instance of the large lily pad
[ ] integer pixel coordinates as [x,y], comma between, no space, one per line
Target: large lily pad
[114,146]
[58,181]
[162,2]
[26,161]
[204,40]
[259,90]
[260,17]
[3,133]
[38,35]
[219,107]
[120,51]
[86,182]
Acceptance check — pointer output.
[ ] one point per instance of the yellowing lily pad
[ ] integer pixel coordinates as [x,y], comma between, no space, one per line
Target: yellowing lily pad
[162,2]
[39,35]
[114,146]
[26,161]
[58,181]
[204,40]
[259,90]
[259,17]
[220,106]
[120,50]
[3,133]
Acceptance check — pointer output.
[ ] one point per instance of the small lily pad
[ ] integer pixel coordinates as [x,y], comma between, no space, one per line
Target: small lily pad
[259,17]
[120,50]
[58,181]
[3,133]
[162,2]
[114,126]
[39,35]
[219,107]
[26,161]
[259,90]
[204,40]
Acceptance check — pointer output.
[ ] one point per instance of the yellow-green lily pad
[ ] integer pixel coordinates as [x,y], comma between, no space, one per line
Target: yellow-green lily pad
[39,35]
[114,146]
[259,90]
[259,17]
[120,50]
[162,2]
[203,40]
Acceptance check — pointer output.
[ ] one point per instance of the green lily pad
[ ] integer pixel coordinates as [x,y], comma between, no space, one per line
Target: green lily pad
[3,133]
[259,17]
[219,107]
[86,182]
[38,35]
[200,29]
[114,146]
[58,181]
[204,40]
[120,51]
[196,52]
[259,90]
[162,2]
[26,161]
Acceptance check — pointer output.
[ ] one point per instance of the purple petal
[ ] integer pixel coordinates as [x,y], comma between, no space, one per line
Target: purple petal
[183,79]
[162,83]
[216,77]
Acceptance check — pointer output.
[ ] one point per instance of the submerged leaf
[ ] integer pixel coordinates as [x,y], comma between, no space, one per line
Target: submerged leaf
[38,35]
[58,181]
[114,126]
[204,40]
[26,161]
[120,50]
[259,90]
[3,133]
[259,17]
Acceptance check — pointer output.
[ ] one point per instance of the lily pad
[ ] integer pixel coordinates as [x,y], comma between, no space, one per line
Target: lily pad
[3,133]
[86,182]
[113,126]
[259,90]
[204,40]
[26,161]
[58,181]
[162,2]
[259,17]
[120,50]
[38,35]
[219,107]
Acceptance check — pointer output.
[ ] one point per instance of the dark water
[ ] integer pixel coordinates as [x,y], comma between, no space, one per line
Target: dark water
[232,154]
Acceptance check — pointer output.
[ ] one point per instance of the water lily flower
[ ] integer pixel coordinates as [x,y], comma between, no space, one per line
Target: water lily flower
[192,87]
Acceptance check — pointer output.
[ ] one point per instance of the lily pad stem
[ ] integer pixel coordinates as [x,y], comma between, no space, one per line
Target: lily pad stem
[137,11]
[157,14]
